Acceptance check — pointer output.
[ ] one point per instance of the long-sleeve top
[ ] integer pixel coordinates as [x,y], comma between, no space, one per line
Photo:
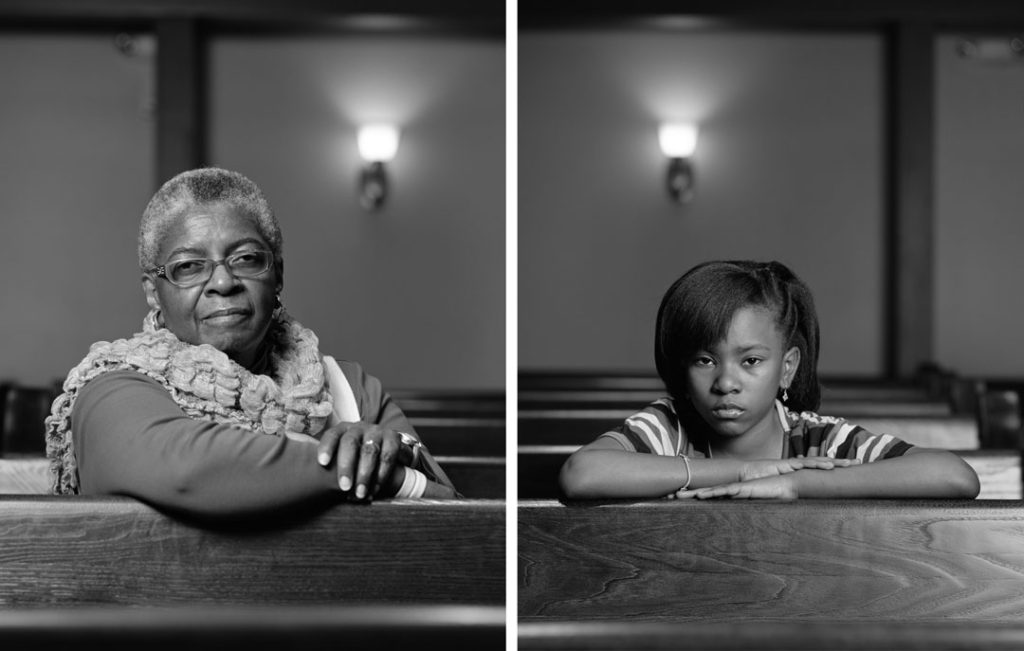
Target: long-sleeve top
[131,438]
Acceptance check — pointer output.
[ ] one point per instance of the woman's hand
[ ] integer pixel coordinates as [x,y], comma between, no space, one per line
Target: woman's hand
[781,487]
[365,456]
[773,467]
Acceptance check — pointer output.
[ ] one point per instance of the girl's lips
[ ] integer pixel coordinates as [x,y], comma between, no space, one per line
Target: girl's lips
[727,412]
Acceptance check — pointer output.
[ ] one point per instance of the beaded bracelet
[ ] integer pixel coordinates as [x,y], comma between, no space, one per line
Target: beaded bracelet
[689,475]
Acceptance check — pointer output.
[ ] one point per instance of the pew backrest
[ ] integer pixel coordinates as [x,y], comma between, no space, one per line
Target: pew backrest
[77,551]
[741,561]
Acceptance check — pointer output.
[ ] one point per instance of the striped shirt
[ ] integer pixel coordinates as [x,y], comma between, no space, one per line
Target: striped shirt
[656,430]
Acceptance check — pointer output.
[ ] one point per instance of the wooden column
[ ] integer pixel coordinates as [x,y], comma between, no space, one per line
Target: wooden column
[180,92]
[910,254]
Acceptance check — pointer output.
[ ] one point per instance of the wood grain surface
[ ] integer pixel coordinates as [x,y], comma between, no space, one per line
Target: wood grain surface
[807,560]
[64,551]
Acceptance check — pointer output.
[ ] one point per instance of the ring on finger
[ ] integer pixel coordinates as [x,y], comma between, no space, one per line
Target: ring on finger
[370,445]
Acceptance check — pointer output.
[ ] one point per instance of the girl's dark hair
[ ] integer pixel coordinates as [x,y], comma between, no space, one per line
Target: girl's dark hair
[697,309]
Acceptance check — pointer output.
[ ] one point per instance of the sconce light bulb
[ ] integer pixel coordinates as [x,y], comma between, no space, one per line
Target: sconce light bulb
[378,143]
[678,140]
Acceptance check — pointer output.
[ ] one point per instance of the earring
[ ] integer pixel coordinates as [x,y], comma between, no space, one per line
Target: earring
[278,307]
[785,395]
[154,320]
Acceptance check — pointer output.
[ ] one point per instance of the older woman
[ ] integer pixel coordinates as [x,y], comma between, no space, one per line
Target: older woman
[224,403]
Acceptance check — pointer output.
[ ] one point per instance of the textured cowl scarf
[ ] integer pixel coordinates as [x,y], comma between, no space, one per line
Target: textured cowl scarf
[206,384]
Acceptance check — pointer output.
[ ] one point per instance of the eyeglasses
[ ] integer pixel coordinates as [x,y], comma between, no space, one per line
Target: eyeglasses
[189,272]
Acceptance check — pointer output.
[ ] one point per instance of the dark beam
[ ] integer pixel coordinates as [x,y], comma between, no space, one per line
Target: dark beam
[180,93]
[910,243]
[811,13]
[485,16]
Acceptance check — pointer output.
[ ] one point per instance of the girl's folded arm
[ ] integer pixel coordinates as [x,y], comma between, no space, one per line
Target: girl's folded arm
[920,472]
[603,469]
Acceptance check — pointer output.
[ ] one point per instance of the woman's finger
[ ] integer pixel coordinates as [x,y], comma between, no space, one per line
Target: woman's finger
[369,454]
[390,448]
[348,457]
[328,445]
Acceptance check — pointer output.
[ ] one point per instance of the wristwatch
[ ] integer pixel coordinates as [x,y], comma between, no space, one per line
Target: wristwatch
[414,443]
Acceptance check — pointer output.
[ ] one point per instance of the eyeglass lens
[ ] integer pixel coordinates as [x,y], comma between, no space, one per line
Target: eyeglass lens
[247,264]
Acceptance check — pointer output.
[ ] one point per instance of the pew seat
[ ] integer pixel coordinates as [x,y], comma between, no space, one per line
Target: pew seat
[826,561]
[64,552]
[216,628]
[999,471]
[580,426]
[474,477]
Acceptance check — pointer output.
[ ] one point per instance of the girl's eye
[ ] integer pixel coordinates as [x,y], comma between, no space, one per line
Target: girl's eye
[703,361]
[752,361]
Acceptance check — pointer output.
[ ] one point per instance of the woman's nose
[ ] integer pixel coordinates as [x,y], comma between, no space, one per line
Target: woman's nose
[221,280]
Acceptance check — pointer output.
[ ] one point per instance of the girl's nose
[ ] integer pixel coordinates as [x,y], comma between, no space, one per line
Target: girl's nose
[727,382]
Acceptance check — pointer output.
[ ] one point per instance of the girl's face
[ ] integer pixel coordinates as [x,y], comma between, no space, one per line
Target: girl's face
[733,386]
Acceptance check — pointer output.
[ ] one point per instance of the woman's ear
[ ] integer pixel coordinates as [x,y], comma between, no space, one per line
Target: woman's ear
[149,287]
[790,363]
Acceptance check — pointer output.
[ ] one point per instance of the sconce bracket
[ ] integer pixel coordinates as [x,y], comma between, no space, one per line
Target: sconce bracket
[680,180]
[373,186]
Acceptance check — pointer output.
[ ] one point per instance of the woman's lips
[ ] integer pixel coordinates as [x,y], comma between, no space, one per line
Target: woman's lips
[227,316]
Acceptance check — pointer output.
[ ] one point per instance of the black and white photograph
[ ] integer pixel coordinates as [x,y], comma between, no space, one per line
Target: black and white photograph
[253,370]
[767,390]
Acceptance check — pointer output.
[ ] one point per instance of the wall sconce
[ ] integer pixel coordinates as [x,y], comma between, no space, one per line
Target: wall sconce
[678,142]
[378,144]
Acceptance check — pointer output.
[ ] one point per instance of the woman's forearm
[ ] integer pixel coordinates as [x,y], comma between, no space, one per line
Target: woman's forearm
[599,473]
[921,473]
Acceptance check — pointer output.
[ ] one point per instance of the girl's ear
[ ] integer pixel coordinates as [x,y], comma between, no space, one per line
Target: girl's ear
[790,363]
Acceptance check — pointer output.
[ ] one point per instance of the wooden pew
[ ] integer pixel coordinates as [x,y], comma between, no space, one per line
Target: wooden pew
[58,552]
[915,388]
[474,477]
[739,635]
[810,560]
[306,627]
[580,426]
[462,436]
[632,401]
[415,403]
[999,471]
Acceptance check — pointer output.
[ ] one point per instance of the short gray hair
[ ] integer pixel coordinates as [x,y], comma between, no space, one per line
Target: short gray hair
[197,188]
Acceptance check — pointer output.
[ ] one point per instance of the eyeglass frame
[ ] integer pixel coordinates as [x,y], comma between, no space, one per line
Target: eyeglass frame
[161,271]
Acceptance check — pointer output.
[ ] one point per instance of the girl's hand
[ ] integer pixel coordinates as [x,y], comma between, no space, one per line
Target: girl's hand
[774,467]
[779,487]
[365,456]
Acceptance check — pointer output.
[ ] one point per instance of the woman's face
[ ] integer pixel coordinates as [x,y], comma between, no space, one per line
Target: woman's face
[231,314]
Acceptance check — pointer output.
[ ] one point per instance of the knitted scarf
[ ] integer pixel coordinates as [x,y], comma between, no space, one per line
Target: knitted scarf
[206,384]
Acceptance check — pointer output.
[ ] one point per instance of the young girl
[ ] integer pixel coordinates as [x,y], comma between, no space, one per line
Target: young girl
[736,345]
